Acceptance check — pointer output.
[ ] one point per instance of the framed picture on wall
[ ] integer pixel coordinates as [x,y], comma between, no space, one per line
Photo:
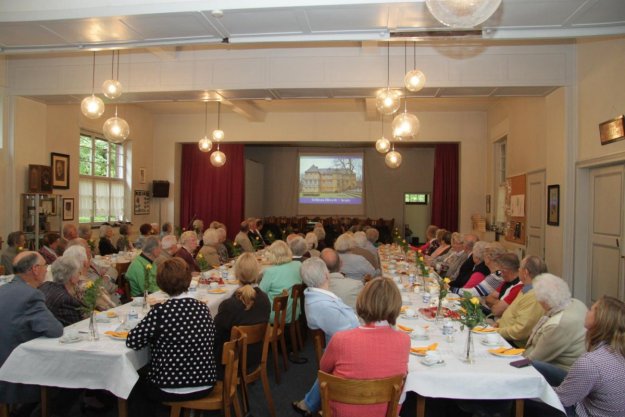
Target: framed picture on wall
[68,209]
[553,205]
[60,170]
[142,202]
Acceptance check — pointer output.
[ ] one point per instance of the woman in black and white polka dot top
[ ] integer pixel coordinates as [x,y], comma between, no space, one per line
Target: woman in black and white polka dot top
[181,337]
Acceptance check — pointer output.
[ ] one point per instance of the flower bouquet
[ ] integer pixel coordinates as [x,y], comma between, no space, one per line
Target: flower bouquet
[471,315]
[202,263]
[146,286]
[89,300]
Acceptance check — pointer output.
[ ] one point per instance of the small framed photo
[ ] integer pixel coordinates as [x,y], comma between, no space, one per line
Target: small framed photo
[39,179]
[68,209]
[553,205]
[60,170]
[142,175]
[611,130]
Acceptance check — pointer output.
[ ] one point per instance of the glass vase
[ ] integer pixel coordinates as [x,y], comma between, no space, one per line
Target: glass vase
[468,353]
[145,307]
[439,311]
[93,327]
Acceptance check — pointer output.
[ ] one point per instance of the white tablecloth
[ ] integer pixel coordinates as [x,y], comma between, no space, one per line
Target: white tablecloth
[104,364]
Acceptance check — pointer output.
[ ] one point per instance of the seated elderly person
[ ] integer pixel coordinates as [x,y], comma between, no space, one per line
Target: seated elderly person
[169,247]
[463,272]
[320,232]
[361,249]
[312,243]
[352,265]
[23,317]
[518,320]
[242,240]
[511,272]
[372,235]
[105,246]
[181,336]
[48,250]
[209,249]
[254,233]
[477,273]
[299,248]
[455,257]
[123,242]
[166,230]
[282,275]
[443,237]
[345,288]
[62,293]
[137,270]
[430,244]
[77,250]
[16,242]
[198,228]
[325,311]
[222,249]
[558,338]
[188,245]
[145,230]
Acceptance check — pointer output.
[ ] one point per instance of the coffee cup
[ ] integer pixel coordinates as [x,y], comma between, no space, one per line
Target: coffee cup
[432,356]
[492,338]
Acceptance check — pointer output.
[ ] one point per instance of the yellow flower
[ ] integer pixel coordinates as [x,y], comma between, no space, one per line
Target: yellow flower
[475,301]
[89,284]
[19,248]
[421,258]
[148,267]
[200,256]
[446,280]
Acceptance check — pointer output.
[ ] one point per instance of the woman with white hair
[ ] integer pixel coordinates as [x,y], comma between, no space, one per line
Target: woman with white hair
[188,245]
[320,232]
[480,270]
[105,246]
[209,249]
[62,293]
[312,242]
[282,275]
[352,265]
[558,338]
[222,249]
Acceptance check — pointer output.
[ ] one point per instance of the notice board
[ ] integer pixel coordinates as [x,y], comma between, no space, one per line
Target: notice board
[515,209]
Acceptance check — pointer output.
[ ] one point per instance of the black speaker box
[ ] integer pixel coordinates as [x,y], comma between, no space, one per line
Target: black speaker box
[160,189]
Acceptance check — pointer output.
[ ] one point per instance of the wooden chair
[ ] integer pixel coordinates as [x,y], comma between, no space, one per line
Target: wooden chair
[4,408]
[319,342]
[295,331]
[360,391]
[280,304]
[251,335]
[224,394]
[2,270]
[124,285]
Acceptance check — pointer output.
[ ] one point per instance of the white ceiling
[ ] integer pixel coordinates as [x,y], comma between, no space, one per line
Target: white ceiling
[57,27]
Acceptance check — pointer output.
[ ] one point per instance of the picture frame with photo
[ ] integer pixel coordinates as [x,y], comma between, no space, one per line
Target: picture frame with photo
[553,205]
[59,164]
[39,179]
[68,209]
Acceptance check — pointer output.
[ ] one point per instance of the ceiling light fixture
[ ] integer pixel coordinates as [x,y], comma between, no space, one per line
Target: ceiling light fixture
[393,159]
[218,158]
[92,106]
[414,80]
[387,101]
[116,129]
[462,13]
[205,143]
[218,134]
[405,126]
[113,88]
[382,145]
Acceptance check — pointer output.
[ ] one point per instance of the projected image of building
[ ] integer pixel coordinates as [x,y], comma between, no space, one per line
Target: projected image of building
[327,180]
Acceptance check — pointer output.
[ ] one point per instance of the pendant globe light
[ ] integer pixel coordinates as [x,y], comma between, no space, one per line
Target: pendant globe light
[218,134]
[387,101]
[205,143]
[218,158]
[382,145]
[116,129]
[393,159]
[92,106]
[414,80]
[405,126]
[462,13]
[113,88]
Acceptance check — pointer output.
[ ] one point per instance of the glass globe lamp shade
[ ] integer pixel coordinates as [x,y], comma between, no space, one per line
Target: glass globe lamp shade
[218,159]
[405,126]
[92,107]
[382,145]
[393,159]
[112,89]
[387,101]
[205,144]
[116,129]
[414,80]
[218,135]
[462,13]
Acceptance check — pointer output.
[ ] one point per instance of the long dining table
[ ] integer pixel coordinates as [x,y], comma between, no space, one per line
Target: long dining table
[488,377]
[105,363]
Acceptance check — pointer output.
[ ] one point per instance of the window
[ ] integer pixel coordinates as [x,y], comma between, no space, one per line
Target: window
[102,182]
[500,180]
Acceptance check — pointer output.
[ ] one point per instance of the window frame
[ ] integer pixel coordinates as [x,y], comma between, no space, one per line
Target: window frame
[95,179]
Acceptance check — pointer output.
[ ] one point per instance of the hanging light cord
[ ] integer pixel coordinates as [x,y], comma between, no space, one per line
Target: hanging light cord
[117,77]
[93,75]
[382,125]
[113,66]
[405,71]
[388,65]
[206,118]
[414,55]
[218,116]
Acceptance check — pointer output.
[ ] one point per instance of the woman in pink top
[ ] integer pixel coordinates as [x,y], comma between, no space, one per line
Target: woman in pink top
[373,350]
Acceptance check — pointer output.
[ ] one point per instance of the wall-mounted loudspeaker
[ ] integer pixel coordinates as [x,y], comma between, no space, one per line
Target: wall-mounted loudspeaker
[160,189]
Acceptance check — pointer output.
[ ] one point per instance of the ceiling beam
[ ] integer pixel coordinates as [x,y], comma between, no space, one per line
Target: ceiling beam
[166,53]
[246,109]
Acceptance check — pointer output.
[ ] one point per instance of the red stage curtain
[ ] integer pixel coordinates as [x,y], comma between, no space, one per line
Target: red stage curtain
[445,188]
[210,193]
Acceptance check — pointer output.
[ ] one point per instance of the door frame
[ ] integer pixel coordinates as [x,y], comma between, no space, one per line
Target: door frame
[543,208]
[581,268]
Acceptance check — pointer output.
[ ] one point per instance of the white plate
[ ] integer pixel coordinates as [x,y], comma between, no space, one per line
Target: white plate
[403,316]
[116,338]
[422,337]
[490,330]
[503,355]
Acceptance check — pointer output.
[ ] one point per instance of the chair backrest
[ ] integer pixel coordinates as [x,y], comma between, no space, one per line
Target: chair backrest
[230,359]
[255,333]
[280,304]
[360,391]
[296,295]
[319,342]
[122,267]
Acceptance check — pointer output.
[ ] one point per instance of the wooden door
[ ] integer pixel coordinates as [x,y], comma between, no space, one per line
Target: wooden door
[536,214]
[606,232]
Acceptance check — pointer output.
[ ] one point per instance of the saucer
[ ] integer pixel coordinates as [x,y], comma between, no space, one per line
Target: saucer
[485,343]
[70,339]
[440,362]
[419,337]
[403,316]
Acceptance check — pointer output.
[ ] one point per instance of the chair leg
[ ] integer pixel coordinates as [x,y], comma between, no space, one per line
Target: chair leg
[420,406]
[175,411]
[245,395]
[44,402]
[237,406]
[284,353]
[265,380]
[4,410]
[294,342]
[300,338]
[519,406]
[276,365]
